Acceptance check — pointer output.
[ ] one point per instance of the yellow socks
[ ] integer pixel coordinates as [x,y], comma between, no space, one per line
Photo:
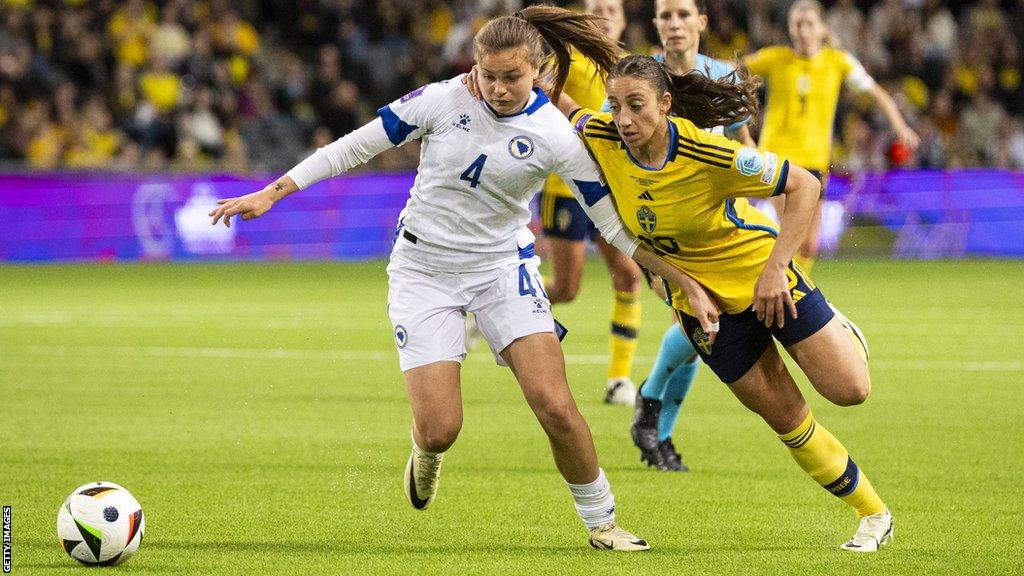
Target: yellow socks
[826,460]
[625,324]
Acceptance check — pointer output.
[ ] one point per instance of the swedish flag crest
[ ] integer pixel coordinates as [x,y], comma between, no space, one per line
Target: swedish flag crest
[701,338]
[647,219]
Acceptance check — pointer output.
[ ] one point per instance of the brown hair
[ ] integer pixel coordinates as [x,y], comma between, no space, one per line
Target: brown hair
[559,29]
[699,99]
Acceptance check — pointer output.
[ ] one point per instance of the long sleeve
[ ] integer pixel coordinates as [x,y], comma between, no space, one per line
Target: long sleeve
[345,153]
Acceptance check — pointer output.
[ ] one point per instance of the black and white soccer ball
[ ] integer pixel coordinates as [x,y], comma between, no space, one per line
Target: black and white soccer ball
[100,524]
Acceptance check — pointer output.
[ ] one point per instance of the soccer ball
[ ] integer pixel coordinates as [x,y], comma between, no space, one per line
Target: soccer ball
[100,524]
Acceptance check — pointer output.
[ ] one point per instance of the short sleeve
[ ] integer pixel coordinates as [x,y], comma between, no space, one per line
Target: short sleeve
[579,118]
[750,173]
[578,169]
[856,77]
[759,62]
[414,114]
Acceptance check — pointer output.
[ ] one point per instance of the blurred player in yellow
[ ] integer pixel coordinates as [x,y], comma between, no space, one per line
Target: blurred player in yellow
[682,192]
[803,85]
[566,228]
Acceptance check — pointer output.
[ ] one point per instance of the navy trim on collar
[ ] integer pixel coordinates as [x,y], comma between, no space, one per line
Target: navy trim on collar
[673,143]
[539,101]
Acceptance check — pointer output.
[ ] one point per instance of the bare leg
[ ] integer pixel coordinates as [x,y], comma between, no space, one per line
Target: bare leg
[831,362]
[436,399]
[567,258]
[624,270]
[537,362]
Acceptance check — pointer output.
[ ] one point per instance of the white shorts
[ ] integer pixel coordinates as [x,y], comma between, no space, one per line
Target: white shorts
[428,308]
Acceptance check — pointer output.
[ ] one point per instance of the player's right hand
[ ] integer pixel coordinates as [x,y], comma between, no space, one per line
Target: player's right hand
[470,80]
[706,311]
[249,206]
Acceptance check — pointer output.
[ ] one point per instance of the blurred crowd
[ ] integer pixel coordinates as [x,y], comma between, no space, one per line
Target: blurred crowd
[258,84]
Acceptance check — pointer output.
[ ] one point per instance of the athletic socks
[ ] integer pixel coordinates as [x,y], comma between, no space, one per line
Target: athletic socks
[670,377]
[826,460]
[595,502]
[625,325]
[678,387]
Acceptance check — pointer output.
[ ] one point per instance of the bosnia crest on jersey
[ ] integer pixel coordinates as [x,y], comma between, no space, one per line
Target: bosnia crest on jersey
[647,219]
[520,147]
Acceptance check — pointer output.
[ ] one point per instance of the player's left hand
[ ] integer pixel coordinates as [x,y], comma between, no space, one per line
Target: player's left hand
[470,80]
[772,299]
[249,206]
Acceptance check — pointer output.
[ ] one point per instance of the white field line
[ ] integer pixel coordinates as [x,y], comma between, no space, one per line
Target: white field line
[481,355]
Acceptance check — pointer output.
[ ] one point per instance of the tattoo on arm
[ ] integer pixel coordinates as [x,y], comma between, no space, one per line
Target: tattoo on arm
[279,186]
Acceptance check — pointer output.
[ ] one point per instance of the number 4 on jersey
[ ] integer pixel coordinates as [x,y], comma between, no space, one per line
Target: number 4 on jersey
[472,174]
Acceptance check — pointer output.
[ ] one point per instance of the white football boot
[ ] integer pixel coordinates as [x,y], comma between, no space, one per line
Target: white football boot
[422,474]
[610,537]
[620,391]
[874,532]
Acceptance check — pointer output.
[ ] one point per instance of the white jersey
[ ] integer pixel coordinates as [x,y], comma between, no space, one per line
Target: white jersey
[478,169]
[470,202]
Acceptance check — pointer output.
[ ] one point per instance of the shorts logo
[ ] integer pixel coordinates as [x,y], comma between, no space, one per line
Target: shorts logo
[749,161]
[401,336]
[563,219]
[520,147]
[647,219]
[539,307]
[700,337]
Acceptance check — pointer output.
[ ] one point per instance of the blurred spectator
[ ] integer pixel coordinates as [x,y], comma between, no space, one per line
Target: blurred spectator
[255,84]
[845,21]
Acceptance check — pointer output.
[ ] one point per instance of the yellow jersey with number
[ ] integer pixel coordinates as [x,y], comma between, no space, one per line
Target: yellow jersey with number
[693,211]
[586,88]
[801,98]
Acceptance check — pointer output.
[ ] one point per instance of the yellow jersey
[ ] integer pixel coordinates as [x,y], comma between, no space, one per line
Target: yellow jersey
[586,87]
[693,211]
[802,94]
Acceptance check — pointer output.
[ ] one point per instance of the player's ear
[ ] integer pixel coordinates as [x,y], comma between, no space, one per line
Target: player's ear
[703,22]
[665,104]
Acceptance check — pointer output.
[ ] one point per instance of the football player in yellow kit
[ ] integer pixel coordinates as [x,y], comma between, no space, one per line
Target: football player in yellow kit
[566,229]
[682,192]
[803,85]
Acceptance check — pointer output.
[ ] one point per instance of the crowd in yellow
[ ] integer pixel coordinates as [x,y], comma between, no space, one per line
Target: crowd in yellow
[218,84]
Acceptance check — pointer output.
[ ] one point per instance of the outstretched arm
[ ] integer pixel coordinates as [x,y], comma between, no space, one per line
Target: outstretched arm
[904,133]
[339,156]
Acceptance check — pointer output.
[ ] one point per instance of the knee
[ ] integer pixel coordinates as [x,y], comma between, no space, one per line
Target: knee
[558,418]
[563,291]
[626,279]
[439,436]
[855,393]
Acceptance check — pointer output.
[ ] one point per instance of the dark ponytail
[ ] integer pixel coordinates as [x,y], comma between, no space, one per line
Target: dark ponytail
[557,28]
[699,99]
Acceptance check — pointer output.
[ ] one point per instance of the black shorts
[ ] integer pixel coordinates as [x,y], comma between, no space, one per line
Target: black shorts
[564,218]
[822,177]
[742,338]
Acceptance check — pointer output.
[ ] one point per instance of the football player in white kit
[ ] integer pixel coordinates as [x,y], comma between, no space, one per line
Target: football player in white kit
[463,245]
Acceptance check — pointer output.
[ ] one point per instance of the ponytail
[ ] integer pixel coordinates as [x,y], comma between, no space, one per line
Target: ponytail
[699,99]
[559,29]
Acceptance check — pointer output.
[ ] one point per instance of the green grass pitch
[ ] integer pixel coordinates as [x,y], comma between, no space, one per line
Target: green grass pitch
[258,413]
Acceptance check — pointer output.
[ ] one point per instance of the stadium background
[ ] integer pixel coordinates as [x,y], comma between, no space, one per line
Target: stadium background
[257,410]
